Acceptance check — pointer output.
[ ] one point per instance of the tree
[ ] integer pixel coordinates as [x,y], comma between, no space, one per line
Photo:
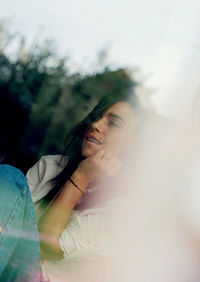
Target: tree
[41,100]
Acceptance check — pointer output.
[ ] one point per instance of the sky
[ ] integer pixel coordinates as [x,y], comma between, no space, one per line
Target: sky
[160,37]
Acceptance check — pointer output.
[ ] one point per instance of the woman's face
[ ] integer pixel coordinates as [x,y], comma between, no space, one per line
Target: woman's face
[112,133]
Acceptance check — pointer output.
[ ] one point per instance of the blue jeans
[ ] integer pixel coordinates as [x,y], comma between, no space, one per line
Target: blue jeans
[19,240]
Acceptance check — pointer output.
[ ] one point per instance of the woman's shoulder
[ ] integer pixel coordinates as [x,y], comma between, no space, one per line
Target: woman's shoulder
[57,160]
[40,175]
[48,166]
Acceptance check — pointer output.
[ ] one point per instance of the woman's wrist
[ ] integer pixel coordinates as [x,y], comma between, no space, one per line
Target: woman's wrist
[81,179]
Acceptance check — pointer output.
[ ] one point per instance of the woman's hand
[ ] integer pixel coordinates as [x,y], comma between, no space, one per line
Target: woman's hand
[102,164]
[51,224]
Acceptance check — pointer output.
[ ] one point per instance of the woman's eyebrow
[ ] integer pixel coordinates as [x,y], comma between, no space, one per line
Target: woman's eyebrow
[116,116]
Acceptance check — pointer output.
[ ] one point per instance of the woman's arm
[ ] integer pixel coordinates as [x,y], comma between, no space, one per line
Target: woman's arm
[52,223]
[54,220]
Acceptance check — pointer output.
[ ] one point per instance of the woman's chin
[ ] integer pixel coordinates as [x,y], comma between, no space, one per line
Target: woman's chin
[86,153]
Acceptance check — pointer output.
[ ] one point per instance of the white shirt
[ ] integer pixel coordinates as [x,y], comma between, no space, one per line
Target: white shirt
[88,233]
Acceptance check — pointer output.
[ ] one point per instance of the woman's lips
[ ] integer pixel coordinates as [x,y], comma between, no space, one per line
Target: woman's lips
[92,139]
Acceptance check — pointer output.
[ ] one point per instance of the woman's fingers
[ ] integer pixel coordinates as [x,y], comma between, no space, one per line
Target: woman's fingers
[110,163]
[108,156]
[100,154]
[101,164]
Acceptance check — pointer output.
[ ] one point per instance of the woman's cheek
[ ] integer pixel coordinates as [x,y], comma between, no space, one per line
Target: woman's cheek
[121,146]
[114,147]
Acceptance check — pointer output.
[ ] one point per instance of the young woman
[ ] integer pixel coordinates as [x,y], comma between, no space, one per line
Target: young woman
[75,195]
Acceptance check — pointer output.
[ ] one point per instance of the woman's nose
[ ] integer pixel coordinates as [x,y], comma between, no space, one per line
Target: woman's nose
[98,125]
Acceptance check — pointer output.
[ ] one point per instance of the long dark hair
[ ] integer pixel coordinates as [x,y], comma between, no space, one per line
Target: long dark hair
[74,139]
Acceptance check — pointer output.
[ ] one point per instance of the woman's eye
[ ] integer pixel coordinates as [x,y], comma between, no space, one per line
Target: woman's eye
[113,123]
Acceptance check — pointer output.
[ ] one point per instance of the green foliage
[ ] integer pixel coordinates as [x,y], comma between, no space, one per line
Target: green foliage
[37,81]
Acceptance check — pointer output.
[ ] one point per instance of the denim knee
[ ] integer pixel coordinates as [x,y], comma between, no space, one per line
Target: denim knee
[12,180]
